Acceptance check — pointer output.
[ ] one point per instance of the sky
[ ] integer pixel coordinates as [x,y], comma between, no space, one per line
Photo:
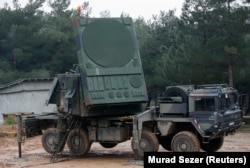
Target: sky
[133,8]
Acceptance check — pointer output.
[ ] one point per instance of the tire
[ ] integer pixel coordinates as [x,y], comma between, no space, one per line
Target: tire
[108,145]
[147,143]
[185,141]
[50,140]
[165,142]
[213,145]
[176,91]
[78,141]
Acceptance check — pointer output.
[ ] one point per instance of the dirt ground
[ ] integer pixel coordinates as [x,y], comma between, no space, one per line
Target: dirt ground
[121,156]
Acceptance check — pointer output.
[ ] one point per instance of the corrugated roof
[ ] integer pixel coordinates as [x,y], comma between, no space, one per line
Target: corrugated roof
[16,82]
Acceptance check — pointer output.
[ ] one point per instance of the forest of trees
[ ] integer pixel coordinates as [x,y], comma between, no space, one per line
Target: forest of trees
[208,43]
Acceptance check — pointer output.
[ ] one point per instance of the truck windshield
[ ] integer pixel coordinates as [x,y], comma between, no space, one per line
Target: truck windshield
[205,104]
[228,101]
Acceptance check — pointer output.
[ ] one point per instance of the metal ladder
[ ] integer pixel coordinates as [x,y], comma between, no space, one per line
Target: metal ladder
[62,141]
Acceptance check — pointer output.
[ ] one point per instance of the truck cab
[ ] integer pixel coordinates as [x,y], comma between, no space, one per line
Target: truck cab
[216,109]
[189,119]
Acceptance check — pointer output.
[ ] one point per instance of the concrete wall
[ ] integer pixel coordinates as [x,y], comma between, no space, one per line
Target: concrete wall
[26,95]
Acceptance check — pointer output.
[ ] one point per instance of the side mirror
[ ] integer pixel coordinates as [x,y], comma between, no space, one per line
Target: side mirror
[244,102]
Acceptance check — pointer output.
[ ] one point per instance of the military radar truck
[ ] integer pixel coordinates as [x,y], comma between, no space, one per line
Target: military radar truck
[101,99]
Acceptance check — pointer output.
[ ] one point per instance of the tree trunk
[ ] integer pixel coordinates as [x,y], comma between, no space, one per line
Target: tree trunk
[230,71]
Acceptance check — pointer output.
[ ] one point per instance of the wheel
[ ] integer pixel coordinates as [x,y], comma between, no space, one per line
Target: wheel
[147,143]
[108,145]
[50,139]
[78,141]
[165,142]
[185,141]
[213,145]
[176,91]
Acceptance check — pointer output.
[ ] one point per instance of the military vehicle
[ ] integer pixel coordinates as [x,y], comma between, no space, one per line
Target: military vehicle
[102,100]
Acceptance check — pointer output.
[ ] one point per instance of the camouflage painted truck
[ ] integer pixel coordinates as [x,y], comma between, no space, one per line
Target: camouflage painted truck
[102,98]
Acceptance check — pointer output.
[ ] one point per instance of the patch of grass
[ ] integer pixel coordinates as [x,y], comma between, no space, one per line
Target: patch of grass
[10,119]
[244,129]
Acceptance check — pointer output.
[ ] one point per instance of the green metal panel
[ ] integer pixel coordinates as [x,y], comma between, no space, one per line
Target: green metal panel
[109,61]
[108,43]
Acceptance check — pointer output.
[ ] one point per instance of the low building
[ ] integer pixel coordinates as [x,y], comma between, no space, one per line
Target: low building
[26,95]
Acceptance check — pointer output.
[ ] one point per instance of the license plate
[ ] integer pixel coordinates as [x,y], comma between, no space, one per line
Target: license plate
[231,123]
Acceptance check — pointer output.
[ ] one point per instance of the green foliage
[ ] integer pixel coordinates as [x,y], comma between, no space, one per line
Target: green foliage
[35,43]
[209,43]
[217,29]
[10,119]
[59,6]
